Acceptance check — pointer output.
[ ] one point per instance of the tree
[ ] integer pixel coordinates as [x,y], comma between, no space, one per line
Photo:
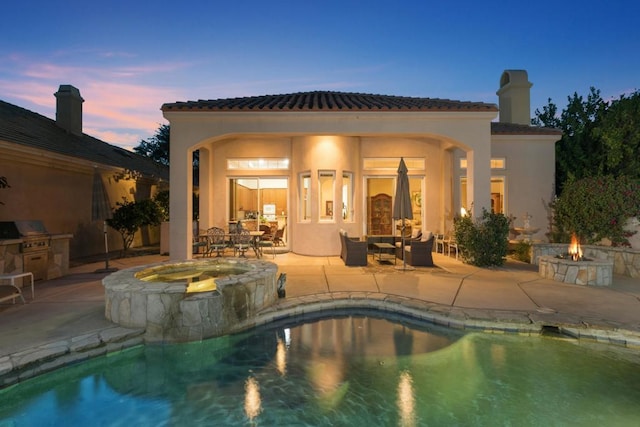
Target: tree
[158,148]
[619,131]
[128,217]
[580,152]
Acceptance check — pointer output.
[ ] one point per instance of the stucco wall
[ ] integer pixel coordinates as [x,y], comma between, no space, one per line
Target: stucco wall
[58,191]
[529,173]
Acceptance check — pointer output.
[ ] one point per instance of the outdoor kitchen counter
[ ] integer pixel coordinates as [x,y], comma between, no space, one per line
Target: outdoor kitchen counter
[57,263]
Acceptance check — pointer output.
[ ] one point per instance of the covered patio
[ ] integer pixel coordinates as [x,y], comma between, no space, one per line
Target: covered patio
[325,134]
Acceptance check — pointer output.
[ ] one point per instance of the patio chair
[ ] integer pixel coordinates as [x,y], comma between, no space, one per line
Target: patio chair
[241,242]
[354,251]
[199,242]
[277,238]
[266,240]
[452,244]
[216,241]
[440,243]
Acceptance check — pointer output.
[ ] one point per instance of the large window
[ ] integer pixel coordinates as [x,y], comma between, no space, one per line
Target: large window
[258,198]
[326,185]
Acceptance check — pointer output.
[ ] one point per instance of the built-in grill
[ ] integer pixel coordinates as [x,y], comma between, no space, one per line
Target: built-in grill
[34,246]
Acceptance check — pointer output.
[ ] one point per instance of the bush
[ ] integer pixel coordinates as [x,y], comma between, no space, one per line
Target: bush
[482,242]
[162,200]
[596,208]
[128,217]
[522,251]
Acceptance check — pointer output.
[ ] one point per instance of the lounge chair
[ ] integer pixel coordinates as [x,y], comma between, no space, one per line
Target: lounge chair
[354,251]
[417,252]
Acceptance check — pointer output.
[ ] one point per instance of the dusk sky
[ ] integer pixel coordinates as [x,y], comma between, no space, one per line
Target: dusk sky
[129,57]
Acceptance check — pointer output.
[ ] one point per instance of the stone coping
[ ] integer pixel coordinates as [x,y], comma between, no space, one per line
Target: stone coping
[45,358]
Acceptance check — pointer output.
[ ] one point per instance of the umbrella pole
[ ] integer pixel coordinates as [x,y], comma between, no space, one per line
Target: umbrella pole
[106,268]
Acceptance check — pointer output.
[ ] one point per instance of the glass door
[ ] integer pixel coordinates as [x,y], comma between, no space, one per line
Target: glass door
[256,201]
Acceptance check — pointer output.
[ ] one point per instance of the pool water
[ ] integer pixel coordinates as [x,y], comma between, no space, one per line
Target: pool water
[347,370]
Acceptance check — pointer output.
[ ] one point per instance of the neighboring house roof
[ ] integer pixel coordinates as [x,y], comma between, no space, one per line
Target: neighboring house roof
[500,128]
[329,101]
[24,127]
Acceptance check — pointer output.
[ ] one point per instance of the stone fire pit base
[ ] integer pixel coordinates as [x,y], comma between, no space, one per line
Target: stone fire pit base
[592,272]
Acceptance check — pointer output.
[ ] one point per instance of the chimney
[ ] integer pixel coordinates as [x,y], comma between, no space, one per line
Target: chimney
[514,97]
[69,109]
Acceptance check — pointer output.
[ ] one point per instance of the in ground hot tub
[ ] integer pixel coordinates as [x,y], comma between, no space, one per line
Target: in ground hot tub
[189,300]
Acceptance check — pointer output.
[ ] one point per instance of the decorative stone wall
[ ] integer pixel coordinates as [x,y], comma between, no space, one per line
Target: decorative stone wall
[626,261]
[592,273]
[170,314]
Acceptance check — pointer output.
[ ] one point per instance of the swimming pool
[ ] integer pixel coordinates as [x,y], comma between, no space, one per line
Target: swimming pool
[351,369]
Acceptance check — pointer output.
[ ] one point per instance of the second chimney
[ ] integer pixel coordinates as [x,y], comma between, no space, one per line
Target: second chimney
[69,109]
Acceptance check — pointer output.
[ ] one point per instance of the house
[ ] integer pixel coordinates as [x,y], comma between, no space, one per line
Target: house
[322,161]
[68,180]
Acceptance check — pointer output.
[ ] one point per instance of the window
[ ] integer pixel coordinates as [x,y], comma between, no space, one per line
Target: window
[496,163]
[391,163]
[497,194]
[305,196]
[259,163]
[347,196]
[326,185]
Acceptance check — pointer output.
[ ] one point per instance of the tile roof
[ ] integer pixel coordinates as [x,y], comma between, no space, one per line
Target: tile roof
[329,101]
[24,127]
[498,128]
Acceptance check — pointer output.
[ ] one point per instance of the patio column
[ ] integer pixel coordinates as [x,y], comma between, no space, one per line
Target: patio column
[206,188]
[181,202]
[479,180]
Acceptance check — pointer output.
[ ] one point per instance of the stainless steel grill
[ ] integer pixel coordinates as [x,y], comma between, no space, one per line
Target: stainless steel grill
[34,246]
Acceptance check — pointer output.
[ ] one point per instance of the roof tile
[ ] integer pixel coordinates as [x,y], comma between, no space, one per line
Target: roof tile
[329,101]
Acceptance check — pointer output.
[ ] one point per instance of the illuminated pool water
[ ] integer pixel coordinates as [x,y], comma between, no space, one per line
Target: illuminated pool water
[347,370]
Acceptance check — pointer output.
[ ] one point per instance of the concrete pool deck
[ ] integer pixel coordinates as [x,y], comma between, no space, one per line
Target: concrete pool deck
[67,314]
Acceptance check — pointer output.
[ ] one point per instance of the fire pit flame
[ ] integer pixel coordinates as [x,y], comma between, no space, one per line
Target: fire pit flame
[575,251]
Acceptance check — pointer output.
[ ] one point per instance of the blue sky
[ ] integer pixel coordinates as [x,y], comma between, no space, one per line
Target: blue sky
[129,57]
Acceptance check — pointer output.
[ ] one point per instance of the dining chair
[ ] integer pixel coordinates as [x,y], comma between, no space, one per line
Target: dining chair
[216,241]
[241,242]
[266,240]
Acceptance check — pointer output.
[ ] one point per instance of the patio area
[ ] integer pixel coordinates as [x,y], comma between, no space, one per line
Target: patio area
[65,322]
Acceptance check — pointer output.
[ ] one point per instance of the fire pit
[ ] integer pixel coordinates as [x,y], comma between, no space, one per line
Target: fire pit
[574,268]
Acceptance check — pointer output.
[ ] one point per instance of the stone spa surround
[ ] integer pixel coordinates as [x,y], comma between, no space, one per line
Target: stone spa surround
[170,313]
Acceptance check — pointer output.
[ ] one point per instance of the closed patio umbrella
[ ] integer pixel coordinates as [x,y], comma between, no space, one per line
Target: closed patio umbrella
[402,203]
[101,211]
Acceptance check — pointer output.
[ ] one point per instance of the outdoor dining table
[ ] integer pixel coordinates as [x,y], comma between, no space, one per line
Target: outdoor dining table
[228,237]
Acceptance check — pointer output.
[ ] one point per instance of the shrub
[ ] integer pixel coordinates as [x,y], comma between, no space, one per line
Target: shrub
[162,200]
[128,217]
[522,251]
[596,208]
[482,242]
